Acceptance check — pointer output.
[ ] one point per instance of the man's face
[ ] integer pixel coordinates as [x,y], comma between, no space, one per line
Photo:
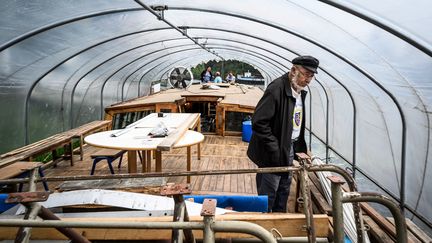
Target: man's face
[301,78]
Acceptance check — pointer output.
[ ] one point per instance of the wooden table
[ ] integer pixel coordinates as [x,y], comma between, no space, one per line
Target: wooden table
[135,137]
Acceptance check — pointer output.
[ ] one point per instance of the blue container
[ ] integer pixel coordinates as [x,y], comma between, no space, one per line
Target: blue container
[237,202]
[247,131]
[5,206]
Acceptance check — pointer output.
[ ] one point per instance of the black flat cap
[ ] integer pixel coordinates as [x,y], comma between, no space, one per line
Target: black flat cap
[308,62]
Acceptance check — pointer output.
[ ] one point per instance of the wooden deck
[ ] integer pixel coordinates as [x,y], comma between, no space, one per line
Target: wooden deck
[217,153]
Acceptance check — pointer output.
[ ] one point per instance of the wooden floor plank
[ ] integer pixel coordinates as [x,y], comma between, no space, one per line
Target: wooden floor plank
[378,235]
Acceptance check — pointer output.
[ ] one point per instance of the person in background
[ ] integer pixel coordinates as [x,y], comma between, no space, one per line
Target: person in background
[217,78]
[230,78]
[206,75]
[278,126]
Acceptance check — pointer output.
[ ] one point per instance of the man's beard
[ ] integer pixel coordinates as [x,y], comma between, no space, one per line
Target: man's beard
[294,84]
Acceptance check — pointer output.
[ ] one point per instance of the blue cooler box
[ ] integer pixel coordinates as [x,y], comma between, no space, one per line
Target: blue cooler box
[247,131]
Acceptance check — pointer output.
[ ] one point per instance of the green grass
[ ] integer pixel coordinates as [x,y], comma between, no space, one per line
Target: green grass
[46,157]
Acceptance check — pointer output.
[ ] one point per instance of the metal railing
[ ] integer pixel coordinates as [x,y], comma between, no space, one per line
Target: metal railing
[180,225]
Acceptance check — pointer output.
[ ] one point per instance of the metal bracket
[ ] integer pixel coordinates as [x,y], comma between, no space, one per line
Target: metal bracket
[160,9]
[303,156]
[209,207]
[177,189]
[27,197]
[336,180]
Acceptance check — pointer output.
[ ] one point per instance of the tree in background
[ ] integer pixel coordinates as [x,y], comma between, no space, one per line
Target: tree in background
[235,66]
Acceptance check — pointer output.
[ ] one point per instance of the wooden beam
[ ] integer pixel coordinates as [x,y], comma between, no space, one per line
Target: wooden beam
[418,232]
[377,234]
[173,137]
[411,236]
[287,224]
[202,98]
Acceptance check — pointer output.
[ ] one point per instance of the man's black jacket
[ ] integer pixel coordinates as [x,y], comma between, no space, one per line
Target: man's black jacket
[272,125]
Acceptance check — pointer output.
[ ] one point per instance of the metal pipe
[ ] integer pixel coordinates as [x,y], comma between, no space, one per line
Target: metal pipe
[310,118]
[384,24]
[179,210]
[153,174]
[32,210]
[33,176]
[244,227]
[169,174]
[327,120]
[337,210]
[225,226]
[24,233]
[181,215]
[209,235]
[183,32]
[348,178]
[70,233]
[92,224]
[401,228]
[353,187]
[307,204]
[281,240]
[332,168]
[50,26]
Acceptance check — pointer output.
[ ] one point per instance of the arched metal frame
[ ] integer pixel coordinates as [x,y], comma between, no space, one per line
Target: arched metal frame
[150,61]
[385,25]
[350,63]
[107,60]
[237,33]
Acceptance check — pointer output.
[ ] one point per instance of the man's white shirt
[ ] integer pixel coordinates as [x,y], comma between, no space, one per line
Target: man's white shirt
[297,115]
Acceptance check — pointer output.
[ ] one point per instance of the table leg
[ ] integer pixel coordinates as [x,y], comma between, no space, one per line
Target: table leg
[81,147]
[199,151]
[70,146]
[189,159]
[132,161]
[158,161]
[149,160]
[144,162]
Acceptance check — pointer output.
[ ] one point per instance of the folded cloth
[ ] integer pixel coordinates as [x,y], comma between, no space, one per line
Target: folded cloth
[159,131]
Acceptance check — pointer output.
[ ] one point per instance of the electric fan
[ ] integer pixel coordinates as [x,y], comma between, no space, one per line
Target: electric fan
[180,77]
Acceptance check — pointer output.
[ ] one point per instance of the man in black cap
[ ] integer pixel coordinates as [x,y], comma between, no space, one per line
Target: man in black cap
[278,126]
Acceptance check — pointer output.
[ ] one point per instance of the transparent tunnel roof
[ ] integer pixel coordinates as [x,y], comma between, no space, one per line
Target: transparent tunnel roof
[64,61]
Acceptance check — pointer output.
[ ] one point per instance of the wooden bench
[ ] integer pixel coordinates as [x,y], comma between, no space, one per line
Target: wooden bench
[21,168]
[28,152]
[86,129]
[50,144]
[109,155]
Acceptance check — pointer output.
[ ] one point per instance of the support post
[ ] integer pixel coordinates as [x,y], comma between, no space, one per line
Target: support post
[68,232]
[24,233]
[208,211]
[180,211]
[307,202]
[338,222]
[401,227]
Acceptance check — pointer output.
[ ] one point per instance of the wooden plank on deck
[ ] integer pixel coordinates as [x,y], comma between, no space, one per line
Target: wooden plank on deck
[289,225]
[175,136]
